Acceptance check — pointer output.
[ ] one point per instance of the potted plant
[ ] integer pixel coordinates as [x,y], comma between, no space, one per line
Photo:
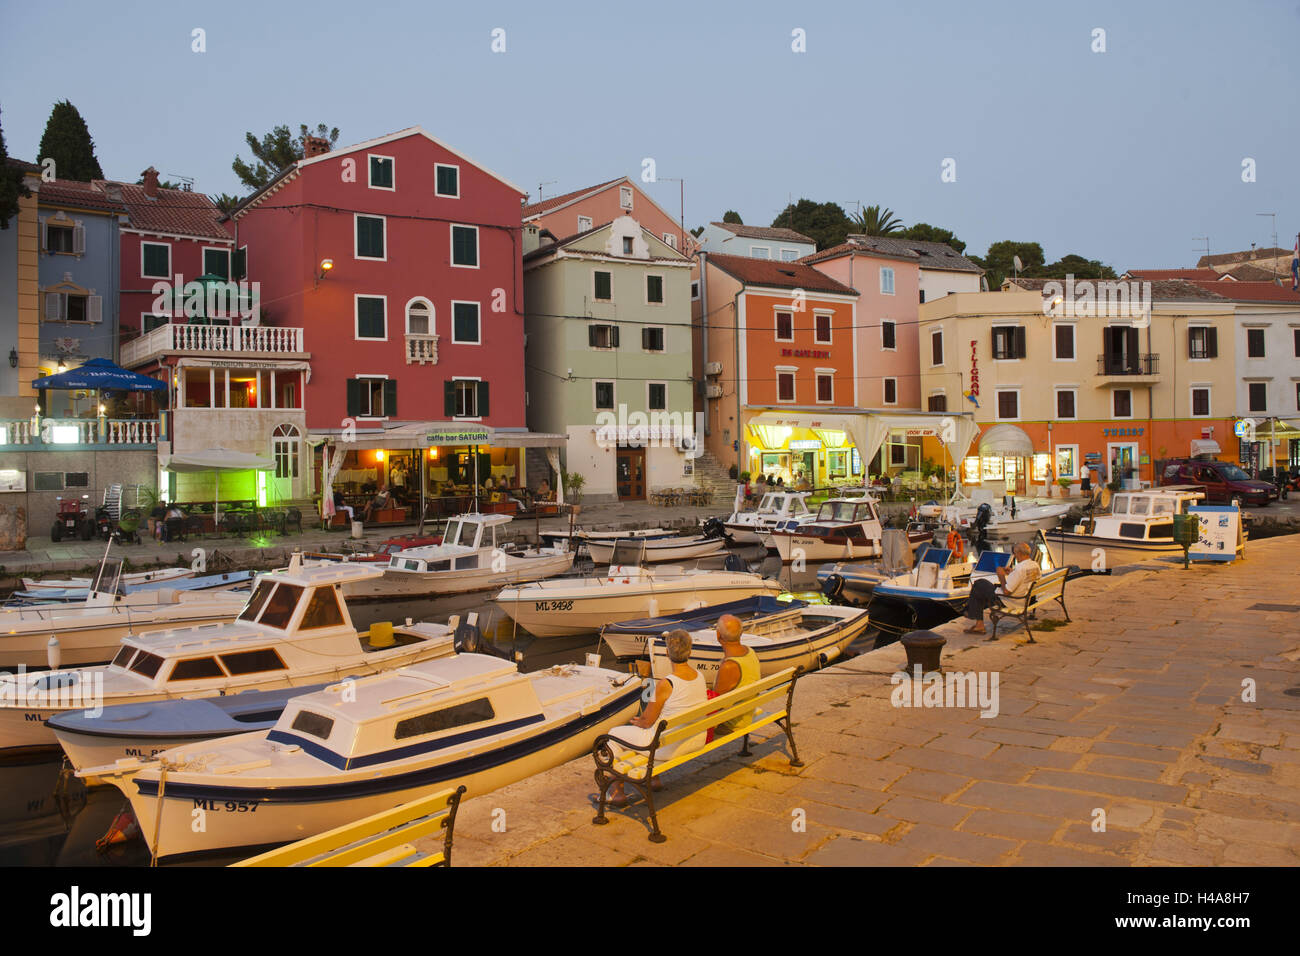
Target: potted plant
[731,472]
[744,476]
[1065,484]
[573,489]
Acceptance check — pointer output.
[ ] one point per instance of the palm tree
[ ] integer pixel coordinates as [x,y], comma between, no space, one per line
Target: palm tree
[877,221]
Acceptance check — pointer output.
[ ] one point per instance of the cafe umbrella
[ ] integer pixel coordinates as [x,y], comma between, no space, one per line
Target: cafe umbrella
[216,460]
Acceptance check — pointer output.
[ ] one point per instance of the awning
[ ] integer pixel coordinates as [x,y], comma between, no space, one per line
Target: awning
[216,459]
[103,375]
[1205,446]
[1005,441]
[418,435]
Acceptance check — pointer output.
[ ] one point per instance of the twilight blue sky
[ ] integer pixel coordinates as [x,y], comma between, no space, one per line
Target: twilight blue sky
[1124,155]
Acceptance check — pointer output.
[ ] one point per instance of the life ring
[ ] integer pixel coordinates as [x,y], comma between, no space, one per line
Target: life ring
[956,545]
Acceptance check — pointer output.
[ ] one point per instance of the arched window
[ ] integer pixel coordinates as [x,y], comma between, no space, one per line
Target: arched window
[419,317]
[284,449]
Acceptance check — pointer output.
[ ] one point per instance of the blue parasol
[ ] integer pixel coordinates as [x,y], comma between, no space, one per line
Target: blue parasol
[100,373]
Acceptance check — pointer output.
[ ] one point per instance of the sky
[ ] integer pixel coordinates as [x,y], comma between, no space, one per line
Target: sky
[1126,155]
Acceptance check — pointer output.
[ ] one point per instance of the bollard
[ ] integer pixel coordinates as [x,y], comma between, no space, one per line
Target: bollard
[924,650]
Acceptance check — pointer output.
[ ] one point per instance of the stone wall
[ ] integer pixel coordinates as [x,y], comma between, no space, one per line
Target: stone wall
[129,468]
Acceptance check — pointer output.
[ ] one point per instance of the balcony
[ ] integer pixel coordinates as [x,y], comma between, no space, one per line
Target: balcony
[234,340]
[67,434]
[1131,370]
[421,349]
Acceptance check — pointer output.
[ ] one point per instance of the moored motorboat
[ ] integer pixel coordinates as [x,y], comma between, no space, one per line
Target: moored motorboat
[225,581]
[660,549]
[627,639]
[353,750]
[776,509]
[559,539]
[127,581]
[844,528]
[1138,526]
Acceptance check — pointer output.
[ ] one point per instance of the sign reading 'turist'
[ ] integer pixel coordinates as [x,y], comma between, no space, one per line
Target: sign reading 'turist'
[1121,432]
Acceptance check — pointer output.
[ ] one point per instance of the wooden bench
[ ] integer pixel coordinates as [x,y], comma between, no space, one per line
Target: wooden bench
[384,839]
[1050,587]
[638,766]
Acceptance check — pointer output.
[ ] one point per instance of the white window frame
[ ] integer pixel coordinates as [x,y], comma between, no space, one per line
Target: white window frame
[468,418]
[894,326]
[1056,406]
[943,351]
[1055,461]
[356,317]
[793,372]
[887,271]
[451,249]
[356,245]
[647,397]
[830,326]
[374,378]
[406,314]
[755,250]
[451,317]
[1204,327]
[793,254]
[230,259]
[883,393]
[1248,384]
[165,245]
[625,197]
[817,391]
[670,240]
[370,171]
[1131,405]
[776,327]
[436,167]
[1074,342]
[997,405]
[1209,399]
[613,385]
[663,329]
[663,290]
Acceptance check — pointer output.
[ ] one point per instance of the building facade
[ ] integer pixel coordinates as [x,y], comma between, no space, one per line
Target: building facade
[584,209]
[756,242]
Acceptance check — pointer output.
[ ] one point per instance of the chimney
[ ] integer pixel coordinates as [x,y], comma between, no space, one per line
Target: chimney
[314,146]
[151,183]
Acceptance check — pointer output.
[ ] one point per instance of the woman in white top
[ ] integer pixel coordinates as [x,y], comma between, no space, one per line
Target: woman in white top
[681,690]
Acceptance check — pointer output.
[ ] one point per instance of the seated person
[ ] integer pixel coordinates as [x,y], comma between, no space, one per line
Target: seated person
[379,502]
[172,513]
[544,492]
[739,668]
[681,690]
[1013,583]
[342,507]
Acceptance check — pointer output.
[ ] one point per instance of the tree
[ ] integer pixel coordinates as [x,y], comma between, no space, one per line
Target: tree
[697,231]
[924,232]
[12,187]
[225,202]
[825,223]
[999,261]
[163,184]
[67,141]
[876,221]
[1077,266]
[275,151]
[732,216]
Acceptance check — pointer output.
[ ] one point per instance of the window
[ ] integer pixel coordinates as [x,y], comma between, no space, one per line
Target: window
[897,453]
[196,668]
[670,239]
[825,388]
[1008,404]
[1258,396]
[318,725]
[370,237]
[760,252]
[419,318]
[464,246]
[253,662]
[1202,342]
[372,397]
[602,336]
[1064,335]
[465,398]
[923,297]
[657,396]
[886,280]
[584,224]
[785,386]
[1200,403]
[322,610]
[371,322]
[789,255]
[1067,457]
[216,262]
[155,260]
[936,347]
[381,172]
[625,196]
[1008,342]
[1297,401]
[284,449]
[1122,403]
[822,328]
[604,394]
[446,181]
[891,391]
[1296,333]
[239,267]
[123,656]
[654,289]
[59,238]
[1254,343]
[937,403]
[257,601]
[695,294]
[627,245]
[70,307]
[465,323]
[1065,408]
[146,664]
[602,286]
[652,339]
[458,715]
[887,338]
[785,326]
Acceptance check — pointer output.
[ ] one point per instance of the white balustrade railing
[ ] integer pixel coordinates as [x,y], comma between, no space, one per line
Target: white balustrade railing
[178,337]
[421,349]
[79,431]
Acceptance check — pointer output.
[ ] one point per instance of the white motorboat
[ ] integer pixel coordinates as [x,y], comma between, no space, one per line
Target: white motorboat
[469,559]
[777,509]
[584,605]
[351,751]
[1009,515]
[800,635]
[844,529]
[1139,525]
[294,630]
[89,631]
[660,549]
[127,581]
[558,539]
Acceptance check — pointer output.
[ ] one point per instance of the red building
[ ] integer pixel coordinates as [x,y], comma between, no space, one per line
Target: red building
[585,209]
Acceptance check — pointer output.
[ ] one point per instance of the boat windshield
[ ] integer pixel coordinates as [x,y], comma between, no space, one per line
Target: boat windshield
[1140,506]
[798,506]
[836,511]
[280,607]
[768,504]
[1120,505]
[258,599]
[452,534]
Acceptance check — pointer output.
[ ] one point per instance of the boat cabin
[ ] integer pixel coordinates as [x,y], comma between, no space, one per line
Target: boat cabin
[784,504]
[463,542]
[1146,515]
[846,510]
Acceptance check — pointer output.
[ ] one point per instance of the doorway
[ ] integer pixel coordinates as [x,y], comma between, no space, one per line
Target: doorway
[285,444]
[630,474]
[1123,463]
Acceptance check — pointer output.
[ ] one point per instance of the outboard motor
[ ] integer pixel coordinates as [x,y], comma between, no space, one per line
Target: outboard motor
[734,562]
[469,639]
[979,527]
[833,586]
[713,528]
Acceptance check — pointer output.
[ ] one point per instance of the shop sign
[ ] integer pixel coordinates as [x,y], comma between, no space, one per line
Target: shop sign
[805,444]
[922,433]
[458,436]
[805,353]
[974,368]
[1122,432]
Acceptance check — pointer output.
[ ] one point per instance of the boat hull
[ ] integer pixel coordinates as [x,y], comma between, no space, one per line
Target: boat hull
[659,549]
[1081,549]
[402,584]
[805,547]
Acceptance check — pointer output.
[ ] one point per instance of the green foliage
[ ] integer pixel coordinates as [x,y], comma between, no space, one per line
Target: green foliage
[999,262]
[12,187]
[697,231]
[225,202]
[877,221]
[825,223]
[1077,266]
[573,484]
[732,216]
[1065,482]
[924,232]
[67,141]
[162,183]
[275,151]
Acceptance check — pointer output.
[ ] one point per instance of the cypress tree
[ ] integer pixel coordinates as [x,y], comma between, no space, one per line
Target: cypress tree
[12,186]
[67,141]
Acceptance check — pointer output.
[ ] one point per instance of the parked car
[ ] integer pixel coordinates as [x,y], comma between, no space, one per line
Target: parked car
[1222,481]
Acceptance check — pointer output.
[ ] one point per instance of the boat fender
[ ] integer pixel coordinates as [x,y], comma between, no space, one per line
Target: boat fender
[653,607]
[53,652]
[833,586]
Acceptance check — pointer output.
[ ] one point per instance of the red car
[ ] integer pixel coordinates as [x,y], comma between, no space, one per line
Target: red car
[1222,481]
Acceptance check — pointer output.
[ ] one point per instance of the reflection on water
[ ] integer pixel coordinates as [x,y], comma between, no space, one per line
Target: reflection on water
[48,822]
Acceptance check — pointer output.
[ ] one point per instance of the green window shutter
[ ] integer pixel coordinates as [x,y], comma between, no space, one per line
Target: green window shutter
[390,397]
[381,172]
[370,318]
[156,261]
[613,336]
[370,237]
[239,268]
[216,262]
[654,288]
[464,245]
[449,398]
[482,399]
[465,322]
[354,397]
[591,336]
[448,181]
[645,339]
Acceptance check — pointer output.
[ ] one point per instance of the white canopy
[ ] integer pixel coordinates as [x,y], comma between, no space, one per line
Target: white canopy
[216,460]
[1006,441]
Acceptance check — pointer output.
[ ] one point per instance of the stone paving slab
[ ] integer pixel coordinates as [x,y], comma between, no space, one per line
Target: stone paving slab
[1137,719]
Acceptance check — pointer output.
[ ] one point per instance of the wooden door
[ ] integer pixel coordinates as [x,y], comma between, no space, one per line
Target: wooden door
[630,476]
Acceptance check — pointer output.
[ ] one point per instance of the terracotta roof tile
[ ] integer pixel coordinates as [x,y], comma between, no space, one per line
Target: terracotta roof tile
[546,205]
[173,211]
[928,255]
[763,232]
[1253,291]
[1245,256]
[1153,274]
[67,192]
[782,275]
[1170,290]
